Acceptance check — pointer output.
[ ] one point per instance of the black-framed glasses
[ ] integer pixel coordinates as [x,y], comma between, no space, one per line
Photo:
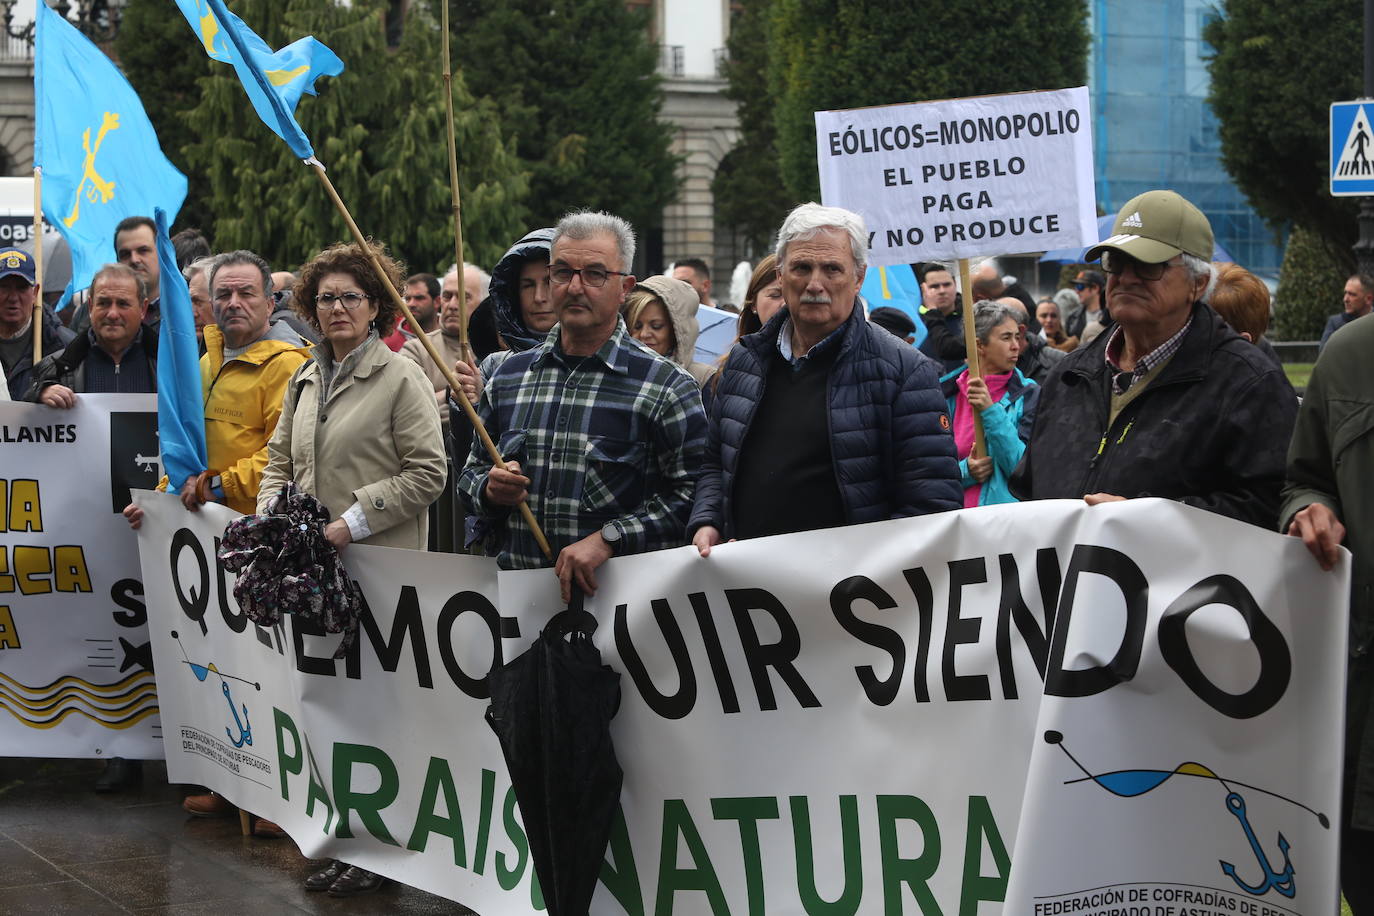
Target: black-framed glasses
[594,277]
[1114,262]
[325,301]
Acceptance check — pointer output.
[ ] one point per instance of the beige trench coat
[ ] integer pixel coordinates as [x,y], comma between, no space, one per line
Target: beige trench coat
[377,442]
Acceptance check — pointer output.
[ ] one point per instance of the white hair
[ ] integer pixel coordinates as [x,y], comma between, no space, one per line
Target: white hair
[811,218]
[583,224]
[1197,267]
[484,278]
[989,264]
[199,265]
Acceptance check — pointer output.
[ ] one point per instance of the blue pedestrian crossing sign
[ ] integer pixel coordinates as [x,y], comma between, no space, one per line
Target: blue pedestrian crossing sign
[1352,149]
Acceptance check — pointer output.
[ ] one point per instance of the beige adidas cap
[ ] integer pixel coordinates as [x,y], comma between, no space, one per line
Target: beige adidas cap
[1154,227]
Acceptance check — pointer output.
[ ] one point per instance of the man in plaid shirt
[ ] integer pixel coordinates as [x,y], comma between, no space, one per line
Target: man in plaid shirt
[601,436]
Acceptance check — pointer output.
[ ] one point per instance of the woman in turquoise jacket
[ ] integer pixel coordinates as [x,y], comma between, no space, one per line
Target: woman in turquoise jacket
[1004,399]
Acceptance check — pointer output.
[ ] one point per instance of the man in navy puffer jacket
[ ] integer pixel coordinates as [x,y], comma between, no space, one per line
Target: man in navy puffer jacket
[821,419]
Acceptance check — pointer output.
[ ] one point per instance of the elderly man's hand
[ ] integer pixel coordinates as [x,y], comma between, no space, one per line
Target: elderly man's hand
[707,536]
[469,379]
[191,495]
[578,562]
[59,396]
[507,487]
[1321,531]
[1096,499]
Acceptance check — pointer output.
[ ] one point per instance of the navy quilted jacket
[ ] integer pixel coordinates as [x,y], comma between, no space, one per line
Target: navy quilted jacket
[889,434]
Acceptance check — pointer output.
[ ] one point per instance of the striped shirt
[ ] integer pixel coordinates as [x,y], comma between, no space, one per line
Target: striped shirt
[615,437]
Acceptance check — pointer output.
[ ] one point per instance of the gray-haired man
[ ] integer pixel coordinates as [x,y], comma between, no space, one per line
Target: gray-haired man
[821,419]
[602,437]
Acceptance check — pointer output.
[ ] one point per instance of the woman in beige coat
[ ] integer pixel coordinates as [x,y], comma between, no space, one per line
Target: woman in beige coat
[358,431]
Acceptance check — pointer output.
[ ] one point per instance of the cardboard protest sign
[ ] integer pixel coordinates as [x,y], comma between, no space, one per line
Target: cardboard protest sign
[844,717]
[963,178]
[76,670]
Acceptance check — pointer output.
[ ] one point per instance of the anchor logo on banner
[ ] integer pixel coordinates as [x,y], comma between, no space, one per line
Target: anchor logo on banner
[241,723]
[1136,782]
[96,188]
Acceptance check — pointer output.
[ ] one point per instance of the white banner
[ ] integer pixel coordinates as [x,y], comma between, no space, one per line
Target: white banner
[962,178]
[843,717]
[75,665]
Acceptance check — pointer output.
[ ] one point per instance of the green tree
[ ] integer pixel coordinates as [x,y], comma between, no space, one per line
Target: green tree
[163,62]
[748,190]
[1310,286]
[1276,68]
[379,128]
[576,86]
[829,54]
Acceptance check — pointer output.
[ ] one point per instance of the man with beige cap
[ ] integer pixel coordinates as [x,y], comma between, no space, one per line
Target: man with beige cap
[1170,401]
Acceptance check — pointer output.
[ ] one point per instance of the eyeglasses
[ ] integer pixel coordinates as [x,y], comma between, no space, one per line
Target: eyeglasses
[1114,262]
[325,301]
[594,277]
[1080,286]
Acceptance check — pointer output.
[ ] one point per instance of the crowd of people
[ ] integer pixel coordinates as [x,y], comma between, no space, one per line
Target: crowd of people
[1153,381]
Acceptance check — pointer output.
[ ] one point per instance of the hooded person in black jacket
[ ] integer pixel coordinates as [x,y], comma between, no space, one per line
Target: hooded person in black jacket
[522,313]
[1170,402]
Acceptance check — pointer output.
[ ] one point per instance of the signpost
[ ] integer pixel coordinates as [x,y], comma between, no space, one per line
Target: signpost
[1352,149]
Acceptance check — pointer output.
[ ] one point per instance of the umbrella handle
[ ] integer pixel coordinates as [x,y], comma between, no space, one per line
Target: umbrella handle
[574,620]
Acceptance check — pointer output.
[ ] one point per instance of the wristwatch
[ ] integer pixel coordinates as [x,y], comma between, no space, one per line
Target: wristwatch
[611,534]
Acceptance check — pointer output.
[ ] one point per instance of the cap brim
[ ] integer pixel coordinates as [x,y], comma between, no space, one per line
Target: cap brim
[1142,249]
[17,273]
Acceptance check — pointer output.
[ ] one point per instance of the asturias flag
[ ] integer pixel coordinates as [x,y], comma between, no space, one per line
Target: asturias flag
[100,157]
[180,407]
[274,80]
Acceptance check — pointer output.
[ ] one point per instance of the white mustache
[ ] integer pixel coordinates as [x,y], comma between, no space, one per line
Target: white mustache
[821,299]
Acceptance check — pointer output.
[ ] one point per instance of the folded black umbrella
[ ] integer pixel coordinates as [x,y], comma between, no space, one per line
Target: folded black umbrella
[551,709]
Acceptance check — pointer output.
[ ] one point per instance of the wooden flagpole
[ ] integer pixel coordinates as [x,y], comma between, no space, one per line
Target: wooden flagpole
[525,512]
[463,345]
[38,263]
[980,446]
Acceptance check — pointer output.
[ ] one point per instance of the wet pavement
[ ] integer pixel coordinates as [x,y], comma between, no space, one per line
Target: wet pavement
[65,849]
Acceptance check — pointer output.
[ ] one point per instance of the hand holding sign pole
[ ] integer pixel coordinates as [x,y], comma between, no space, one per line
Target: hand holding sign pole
[980,446]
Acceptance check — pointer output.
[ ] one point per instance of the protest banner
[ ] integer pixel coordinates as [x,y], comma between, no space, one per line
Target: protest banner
[822,720]
[961,178]
[76,671]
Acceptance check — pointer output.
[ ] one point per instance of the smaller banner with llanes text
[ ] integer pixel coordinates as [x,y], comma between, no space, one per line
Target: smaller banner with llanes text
[76,669]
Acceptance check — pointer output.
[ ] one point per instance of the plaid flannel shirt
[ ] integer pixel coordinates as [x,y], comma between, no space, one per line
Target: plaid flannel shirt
[618,439]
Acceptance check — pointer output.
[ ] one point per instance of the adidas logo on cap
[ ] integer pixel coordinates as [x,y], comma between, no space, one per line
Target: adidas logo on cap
[1133,221]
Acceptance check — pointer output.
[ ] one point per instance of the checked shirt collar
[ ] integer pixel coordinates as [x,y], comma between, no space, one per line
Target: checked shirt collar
[1123,380]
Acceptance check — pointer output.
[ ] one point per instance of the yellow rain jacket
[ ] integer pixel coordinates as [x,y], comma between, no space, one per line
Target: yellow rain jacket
[243,399]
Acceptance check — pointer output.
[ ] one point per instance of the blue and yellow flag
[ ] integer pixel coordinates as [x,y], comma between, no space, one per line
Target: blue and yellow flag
[274,80]
[100,157]
[180,406]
